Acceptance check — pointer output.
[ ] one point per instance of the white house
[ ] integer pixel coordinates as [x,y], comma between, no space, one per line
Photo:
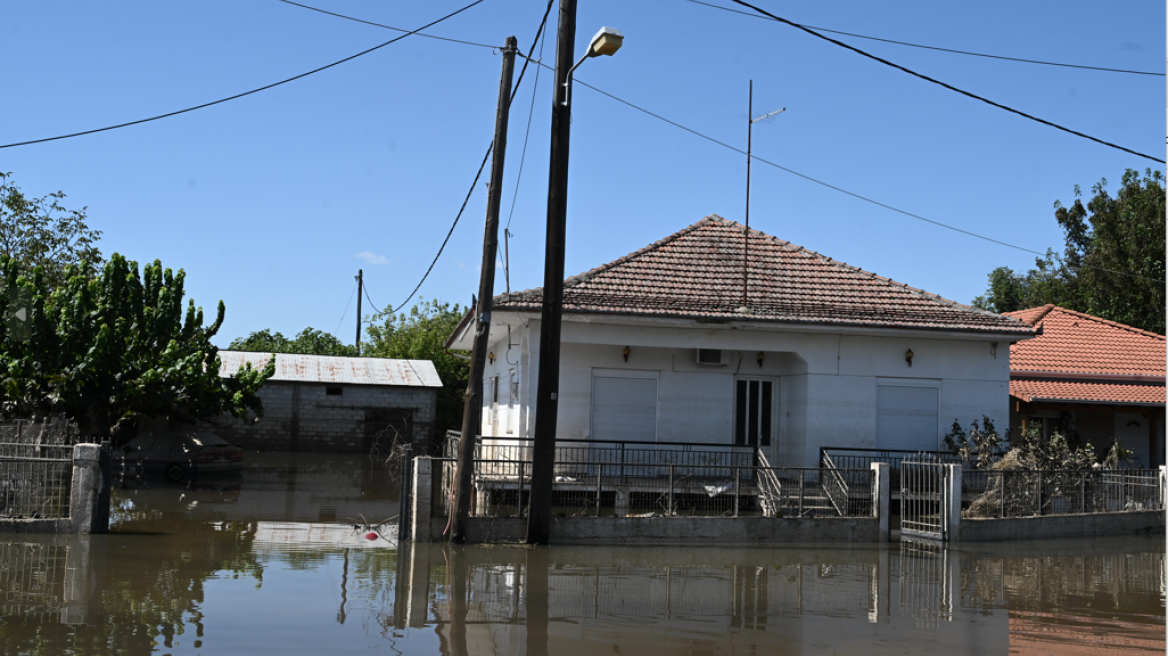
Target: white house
[659,346]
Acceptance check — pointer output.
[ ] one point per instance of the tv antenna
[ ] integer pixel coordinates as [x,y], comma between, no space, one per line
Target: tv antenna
[750,121]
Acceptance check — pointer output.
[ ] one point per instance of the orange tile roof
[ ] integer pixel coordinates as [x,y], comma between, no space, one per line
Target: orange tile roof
[1075,342]
[1072,391]
[1080,344]
[697,273]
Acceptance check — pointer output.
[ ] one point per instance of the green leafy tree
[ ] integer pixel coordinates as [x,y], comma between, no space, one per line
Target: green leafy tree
[40,232]
[107,349]
[310,341]
[1112,265]
[421,334]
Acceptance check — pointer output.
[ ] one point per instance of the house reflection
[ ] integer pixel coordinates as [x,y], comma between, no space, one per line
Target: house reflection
[620,600]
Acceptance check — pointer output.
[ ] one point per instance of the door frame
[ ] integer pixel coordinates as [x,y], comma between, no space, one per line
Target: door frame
[776,410]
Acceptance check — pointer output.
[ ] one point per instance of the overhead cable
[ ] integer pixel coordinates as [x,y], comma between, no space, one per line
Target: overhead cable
[245,93]
[346,312]
[918,45]
[840,189]
[526,60]
[388,27]
[943,84]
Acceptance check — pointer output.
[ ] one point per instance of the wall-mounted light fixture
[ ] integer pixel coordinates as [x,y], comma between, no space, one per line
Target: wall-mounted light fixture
[626,353]
[761,357]
[491,357]
[908,356]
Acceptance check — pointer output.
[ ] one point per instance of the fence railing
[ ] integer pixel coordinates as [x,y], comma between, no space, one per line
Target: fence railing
[641,458]
[1029,493]
[502,489]
[848,458]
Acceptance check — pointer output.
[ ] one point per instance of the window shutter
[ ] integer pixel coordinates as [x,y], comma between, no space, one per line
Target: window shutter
[624,408]
[906,418]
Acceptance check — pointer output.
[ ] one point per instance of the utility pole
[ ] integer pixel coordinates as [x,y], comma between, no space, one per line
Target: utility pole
[360,286]
[543,456]
[472,411]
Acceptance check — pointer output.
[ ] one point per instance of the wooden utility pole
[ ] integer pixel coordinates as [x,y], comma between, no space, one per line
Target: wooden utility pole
[360,286]
[472,411]
[543,452]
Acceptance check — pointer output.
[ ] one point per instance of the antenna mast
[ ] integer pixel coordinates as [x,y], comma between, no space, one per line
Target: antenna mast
[750,121]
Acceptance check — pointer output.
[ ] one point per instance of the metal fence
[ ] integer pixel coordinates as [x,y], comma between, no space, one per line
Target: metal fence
[639,458]
[1028,493]
[32,580]
[923,500]
[502,489]
[36,468]
[845,458]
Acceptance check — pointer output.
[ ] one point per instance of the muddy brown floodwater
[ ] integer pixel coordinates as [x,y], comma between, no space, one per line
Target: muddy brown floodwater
[276,562]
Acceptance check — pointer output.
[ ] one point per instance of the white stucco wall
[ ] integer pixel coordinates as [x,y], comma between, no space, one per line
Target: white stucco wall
[826,382]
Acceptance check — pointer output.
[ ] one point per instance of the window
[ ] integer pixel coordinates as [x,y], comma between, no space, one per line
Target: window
[753,411]
[624,407]
[333,391]
[513,401]
[906,417]
[493,404]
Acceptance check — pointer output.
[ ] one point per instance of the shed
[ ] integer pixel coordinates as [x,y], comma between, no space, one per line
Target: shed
[337,404]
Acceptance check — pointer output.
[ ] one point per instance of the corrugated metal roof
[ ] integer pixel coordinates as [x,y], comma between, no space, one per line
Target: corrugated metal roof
[336,369]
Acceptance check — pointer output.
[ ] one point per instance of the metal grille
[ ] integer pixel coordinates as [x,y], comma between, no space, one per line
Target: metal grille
[502,489]
[36,468]
[1026,493]
[922,499]
[32,579]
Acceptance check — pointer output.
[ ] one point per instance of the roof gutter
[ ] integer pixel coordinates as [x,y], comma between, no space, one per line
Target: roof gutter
[1085,377]
[1044,399]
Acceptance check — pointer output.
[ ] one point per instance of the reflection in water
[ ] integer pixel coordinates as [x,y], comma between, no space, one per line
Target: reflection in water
[247,566]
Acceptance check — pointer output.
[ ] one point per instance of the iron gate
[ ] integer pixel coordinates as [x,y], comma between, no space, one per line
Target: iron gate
[924,501]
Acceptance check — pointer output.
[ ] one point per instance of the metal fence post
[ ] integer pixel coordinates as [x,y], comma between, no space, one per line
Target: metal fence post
[1038,495]
[599,474]
[737,485]
[1082,493]
[519,490]
[1002,493]
[669,509]
[406,473]
[802,480]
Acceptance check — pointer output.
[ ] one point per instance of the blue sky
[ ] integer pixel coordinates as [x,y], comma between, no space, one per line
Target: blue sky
[268,202]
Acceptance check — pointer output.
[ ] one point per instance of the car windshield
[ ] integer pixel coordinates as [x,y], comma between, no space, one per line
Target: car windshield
[206,439]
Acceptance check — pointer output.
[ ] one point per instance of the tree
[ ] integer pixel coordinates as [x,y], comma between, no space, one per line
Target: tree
[40,232]
[1112,265]
[421,335]
[107,349]
[310,341]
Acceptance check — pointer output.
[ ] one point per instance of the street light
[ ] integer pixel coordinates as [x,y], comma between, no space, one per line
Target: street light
[543,450]
[606,42]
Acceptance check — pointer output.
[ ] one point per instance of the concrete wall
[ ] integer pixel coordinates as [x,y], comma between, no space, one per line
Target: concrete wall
[673,530]
[826,382]
[304,417]
[1136,522]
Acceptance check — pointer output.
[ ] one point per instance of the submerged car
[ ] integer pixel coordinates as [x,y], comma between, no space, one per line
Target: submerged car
[176,454]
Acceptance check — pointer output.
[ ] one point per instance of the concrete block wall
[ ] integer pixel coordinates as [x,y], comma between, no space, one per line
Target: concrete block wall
[305,417]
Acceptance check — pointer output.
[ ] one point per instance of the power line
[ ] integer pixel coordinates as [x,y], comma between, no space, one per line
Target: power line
[346,312]
[943,84]
[245,93]
[526,60]
[840,189]
[388,27]
[365,289]
[918,45]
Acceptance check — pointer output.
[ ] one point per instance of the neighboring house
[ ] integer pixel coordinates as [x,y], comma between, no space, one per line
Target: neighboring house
[1101,378]
[657,346]
[336,404]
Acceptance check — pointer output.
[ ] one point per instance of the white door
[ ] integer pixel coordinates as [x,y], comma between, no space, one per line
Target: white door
[906,418]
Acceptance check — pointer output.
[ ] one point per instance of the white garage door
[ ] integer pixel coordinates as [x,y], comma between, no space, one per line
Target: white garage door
[906,418]
[624,408]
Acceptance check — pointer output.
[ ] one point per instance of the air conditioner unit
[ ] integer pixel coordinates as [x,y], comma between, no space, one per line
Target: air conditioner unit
[708,357]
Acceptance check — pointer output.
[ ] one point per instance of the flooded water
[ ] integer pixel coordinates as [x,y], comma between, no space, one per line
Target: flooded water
[277,562]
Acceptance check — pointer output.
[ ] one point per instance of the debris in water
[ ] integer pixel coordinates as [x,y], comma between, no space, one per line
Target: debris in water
[715,490]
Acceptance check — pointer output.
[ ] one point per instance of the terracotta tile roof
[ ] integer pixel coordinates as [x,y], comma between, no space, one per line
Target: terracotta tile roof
[1075,342]
[697,273]
[1082,391]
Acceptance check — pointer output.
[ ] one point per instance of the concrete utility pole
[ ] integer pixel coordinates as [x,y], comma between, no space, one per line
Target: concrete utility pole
[543,456]
[472,411]
[360,285]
